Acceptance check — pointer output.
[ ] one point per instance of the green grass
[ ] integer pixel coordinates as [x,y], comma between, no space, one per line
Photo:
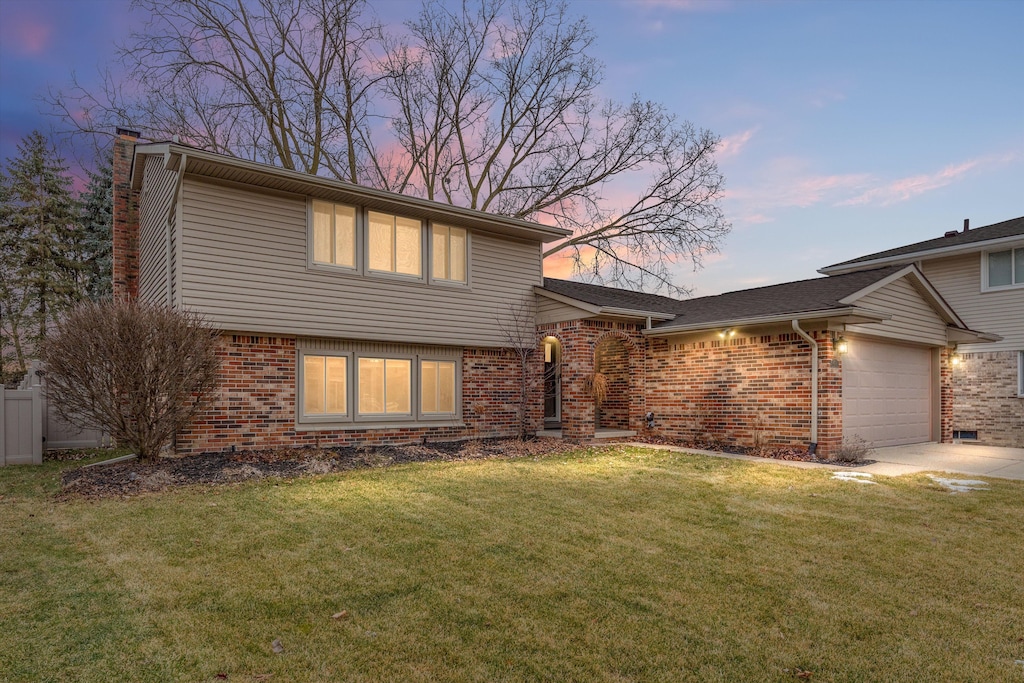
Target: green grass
[618,565]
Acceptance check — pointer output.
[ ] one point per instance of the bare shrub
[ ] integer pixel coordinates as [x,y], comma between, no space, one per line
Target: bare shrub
[517,322]
[138,371]
[761,441]
[852,450]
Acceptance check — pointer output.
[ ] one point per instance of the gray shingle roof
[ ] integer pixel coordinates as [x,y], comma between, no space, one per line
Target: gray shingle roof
[803,296]
[1010,228]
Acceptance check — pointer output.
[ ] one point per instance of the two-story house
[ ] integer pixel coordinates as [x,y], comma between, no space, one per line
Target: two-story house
[980,273]
[349,315]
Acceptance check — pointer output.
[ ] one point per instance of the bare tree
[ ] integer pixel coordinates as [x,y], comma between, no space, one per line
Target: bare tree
[492,105]
[519,332]
[138,371]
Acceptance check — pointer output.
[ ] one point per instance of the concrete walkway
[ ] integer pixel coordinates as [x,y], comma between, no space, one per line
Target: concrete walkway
[986,461]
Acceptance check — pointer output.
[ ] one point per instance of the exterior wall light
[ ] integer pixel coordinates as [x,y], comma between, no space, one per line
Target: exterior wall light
[725,334]
[842,346]
[955,359]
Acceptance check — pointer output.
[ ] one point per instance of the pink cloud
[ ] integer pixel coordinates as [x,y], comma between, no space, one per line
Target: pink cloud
[786,190]
[732,145]
[906,188]
[29,35]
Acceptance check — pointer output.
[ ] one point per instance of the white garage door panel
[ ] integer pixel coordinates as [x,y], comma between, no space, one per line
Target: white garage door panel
[887,393]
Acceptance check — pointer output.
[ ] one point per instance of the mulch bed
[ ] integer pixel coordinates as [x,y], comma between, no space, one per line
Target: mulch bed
[771,453]
[134,477]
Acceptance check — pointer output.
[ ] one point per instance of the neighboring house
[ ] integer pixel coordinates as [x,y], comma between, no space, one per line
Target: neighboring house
[980,273]
[354,316]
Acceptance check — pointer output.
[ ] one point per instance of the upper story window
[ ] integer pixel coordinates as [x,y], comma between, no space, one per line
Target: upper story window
[1003,268]
[395,244]
[334,234]
[448,253]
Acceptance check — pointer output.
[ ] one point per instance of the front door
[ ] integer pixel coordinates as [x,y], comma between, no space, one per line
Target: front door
[552,383]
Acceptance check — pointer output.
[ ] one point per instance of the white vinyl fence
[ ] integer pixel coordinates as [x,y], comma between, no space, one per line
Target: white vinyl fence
[29,424]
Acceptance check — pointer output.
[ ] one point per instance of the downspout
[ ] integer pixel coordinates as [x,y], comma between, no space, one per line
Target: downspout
[174,210]
[814,385]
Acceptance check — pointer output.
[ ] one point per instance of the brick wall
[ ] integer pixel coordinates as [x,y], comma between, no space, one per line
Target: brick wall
[612,361]
[256,402]
[580,339]
[985,398]
[745,391]
[125,229]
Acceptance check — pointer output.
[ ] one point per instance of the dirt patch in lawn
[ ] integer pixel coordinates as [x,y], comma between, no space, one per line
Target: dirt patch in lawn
[134,477]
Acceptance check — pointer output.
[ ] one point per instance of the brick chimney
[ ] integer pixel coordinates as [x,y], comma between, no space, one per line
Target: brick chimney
[126,218]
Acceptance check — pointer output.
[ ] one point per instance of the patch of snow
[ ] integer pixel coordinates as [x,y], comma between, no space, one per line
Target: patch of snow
[859,477]
[960,485]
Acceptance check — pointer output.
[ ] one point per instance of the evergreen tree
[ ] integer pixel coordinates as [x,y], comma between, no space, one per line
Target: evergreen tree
[97,219]
[38,217]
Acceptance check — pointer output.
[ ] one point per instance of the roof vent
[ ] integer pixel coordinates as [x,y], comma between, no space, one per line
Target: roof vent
[951,233]
[967,224]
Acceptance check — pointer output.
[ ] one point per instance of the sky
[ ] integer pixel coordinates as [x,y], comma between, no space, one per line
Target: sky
[847,127]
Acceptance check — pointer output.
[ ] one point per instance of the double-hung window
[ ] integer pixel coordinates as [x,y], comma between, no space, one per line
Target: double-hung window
[324,386]
[385,387]
[1003,268]
[437,388]
[395,244]
[334,234]
[448,247]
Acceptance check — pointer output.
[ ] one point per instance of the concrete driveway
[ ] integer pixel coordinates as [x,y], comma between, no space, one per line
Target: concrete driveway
[988,461]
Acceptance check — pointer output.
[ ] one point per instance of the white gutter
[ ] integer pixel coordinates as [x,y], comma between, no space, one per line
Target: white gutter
[814,383]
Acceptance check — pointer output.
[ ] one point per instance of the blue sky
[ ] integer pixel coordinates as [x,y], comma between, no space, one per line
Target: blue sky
[848,127]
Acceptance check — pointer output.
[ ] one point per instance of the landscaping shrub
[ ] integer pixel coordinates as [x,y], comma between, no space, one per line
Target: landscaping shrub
[138,371]
[851,450]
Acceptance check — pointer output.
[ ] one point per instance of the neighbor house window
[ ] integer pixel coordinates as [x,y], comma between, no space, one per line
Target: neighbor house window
[437,387]
[334,234]
[324,386]
[385,386]
[395,244]
[1005,268]
[449,253]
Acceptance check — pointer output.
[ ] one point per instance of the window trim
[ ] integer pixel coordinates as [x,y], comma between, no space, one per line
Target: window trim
[408,277]
[457,401]
[311,262]
[445,282]
[1020,374]
[985,287]
[413,389]
[300,384]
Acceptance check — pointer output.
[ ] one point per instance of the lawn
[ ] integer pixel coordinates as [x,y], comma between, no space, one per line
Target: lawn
[623,564]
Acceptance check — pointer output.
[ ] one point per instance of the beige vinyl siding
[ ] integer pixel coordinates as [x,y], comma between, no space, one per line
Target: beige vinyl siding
[551,311]
[244,265]
[154,253]
[913,318]
[958,280]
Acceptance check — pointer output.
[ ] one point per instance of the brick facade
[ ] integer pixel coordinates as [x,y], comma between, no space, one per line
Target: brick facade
[580,339]
[745,391]
[985,398]
[256,402]
[125,230]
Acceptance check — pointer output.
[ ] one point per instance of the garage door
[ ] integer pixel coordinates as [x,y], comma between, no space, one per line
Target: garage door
[887,396]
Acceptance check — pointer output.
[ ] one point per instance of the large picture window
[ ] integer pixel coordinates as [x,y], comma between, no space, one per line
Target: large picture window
[395,244]
[448,253]
[385,386]
[324,386]
[1004,268]
[334,234]
[437,387]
